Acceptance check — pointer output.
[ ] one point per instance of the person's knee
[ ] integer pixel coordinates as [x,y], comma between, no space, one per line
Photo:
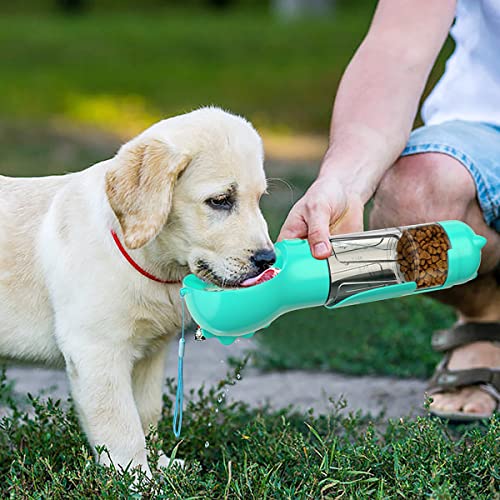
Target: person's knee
[422,188]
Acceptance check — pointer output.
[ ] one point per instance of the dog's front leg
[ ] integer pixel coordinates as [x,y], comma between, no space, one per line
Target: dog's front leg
[147,377]
[101,385]
[147,383]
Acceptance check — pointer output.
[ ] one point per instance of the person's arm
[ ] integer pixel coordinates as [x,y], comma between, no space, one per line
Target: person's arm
[374,109]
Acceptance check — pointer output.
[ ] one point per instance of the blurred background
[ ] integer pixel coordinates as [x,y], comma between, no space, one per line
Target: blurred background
[79,77]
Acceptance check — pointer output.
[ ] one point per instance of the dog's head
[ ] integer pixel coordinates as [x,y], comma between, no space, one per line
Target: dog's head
[193,184]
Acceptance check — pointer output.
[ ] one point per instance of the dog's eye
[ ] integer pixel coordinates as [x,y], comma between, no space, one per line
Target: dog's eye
[221,202]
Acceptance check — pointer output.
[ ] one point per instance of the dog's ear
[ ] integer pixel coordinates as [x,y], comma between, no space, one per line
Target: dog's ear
[140,185]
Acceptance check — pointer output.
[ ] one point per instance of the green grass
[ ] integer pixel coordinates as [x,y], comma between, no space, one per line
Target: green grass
[143,65]
[384,338]
[234,452]
[123,70]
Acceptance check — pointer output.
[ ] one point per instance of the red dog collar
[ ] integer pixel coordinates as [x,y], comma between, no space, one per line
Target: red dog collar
[136,266]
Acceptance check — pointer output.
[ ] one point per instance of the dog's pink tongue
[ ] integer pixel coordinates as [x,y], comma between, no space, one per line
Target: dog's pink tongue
[267,275]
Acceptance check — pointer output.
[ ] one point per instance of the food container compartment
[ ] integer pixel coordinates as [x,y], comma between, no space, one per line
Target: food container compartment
[365,261]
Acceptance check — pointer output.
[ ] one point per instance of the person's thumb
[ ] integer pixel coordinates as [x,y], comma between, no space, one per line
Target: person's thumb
[318,233]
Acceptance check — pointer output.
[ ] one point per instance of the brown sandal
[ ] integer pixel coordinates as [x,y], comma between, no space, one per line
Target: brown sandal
[445,380]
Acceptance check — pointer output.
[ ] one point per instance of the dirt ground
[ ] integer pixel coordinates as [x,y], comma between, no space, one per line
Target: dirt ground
[207,363]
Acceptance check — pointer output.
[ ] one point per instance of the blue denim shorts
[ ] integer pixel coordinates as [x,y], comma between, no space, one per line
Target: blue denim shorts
[474,144]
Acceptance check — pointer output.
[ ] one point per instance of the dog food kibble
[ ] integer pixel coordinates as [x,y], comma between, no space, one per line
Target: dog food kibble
[422,255]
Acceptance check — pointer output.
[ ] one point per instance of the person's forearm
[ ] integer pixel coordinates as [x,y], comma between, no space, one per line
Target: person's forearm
[373,113]
[378,97]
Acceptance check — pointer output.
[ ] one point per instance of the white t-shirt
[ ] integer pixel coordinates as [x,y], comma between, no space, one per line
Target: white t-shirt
[470,86]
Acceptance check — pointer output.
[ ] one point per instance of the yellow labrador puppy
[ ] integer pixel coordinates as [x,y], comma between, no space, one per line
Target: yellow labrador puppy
[91,262]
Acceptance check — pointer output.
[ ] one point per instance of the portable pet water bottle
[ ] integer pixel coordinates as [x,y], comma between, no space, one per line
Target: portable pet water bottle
[363,267]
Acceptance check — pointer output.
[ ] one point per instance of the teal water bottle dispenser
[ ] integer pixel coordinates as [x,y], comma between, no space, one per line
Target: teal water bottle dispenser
[363,267]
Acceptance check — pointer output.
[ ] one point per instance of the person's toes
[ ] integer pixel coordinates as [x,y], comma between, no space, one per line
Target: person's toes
[478,402]
[438,401]
[446,401]
[467,400]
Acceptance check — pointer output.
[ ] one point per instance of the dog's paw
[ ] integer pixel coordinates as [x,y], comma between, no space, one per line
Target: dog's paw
[165,462]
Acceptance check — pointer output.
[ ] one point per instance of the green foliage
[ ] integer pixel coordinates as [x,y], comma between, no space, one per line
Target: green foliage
[235,452]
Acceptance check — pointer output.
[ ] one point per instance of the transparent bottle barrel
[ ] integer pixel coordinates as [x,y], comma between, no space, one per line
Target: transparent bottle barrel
[374,259]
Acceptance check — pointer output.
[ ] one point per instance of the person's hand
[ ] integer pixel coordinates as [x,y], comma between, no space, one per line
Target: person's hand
[325,209]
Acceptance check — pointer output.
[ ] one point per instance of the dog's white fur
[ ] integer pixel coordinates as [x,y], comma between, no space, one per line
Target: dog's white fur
[68,296]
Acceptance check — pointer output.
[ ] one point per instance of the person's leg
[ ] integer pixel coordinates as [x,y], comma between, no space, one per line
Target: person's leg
[431,187]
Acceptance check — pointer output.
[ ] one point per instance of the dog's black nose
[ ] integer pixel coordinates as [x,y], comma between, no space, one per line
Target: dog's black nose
[263,259]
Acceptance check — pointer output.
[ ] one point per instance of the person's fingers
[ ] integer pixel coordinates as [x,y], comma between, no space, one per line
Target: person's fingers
[294,226]
[318,234]
[315,217]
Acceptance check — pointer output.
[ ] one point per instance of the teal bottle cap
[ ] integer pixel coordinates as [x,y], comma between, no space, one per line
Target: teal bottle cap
[464,256]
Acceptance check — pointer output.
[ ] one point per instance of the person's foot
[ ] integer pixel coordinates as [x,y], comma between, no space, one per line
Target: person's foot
[471,400]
